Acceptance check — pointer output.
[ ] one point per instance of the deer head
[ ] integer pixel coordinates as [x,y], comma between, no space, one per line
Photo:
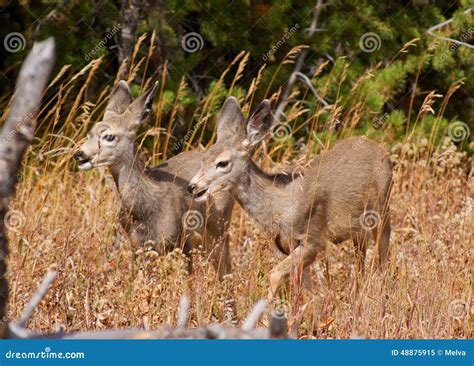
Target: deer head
[223,165]
[113,138]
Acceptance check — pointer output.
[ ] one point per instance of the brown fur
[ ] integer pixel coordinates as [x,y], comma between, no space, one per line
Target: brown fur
[330,200]
[155,202]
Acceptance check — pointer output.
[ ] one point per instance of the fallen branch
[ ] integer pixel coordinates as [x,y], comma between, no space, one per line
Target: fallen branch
[277,329]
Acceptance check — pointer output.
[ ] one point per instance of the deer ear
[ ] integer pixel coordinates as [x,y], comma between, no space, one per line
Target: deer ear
[140,109]
[120,98]
[231,121]
[259,123]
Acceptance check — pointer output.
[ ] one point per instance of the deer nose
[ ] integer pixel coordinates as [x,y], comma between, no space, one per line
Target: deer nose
[78,156]
[191,188]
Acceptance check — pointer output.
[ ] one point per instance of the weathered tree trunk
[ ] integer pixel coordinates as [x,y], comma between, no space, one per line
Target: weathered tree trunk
[15,137]
[131,10]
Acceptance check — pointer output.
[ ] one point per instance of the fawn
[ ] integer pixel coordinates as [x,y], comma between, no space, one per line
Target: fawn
[342,194]
[155,203]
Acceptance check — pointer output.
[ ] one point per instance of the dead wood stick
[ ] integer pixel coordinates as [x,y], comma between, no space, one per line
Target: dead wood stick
[254,316]
[36,299]
[183,313]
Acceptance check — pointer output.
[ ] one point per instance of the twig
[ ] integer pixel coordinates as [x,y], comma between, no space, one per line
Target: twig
[440,25]
[36,299]
[314,24]
[311,87]
[254,316]
[183,313]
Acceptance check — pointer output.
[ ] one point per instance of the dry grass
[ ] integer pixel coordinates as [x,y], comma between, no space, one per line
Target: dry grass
[70,222]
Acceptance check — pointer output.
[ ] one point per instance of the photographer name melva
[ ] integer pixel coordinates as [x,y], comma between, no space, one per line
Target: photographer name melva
[454,352]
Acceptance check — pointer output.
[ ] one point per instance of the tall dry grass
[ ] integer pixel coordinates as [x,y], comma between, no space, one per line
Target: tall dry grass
[69,224]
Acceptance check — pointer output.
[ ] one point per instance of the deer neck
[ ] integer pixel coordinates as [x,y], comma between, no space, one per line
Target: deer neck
[263,198]
[131,181]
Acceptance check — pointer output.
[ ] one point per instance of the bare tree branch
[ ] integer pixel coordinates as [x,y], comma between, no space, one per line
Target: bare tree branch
[36,299]
[440,25]
[299,64]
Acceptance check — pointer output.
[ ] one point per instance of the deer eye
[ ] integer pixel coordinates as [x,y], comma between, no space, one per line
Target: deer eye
[109,138]
[223,164]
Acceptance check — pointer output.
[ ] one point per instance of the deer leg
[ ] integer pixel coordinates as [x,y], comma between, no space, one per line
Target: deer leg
[217,248]
[118,237]
[360,246]
[301,257]
[307,281]
[383,241]
[222,260]
[187,247]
